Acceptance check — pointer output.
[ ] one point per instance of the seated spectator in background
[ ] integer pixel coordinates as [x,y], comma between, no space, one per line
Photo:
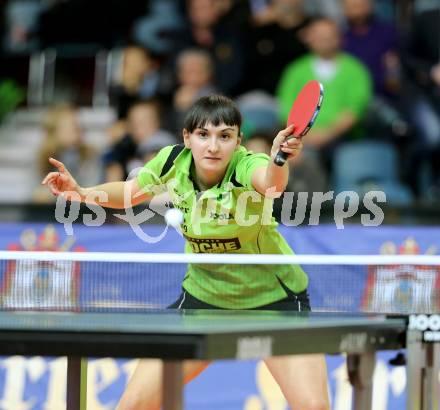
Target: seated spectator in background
[143,136]
[347,87]
[139,79]
[195,76]
[325,8]
[421,6]
[155,29]
[276,39]
[422,61]
[260,112]
[205,28]
[64,140]
[376,44]
[306,172]
[259,142]
[422,52]
[21,19]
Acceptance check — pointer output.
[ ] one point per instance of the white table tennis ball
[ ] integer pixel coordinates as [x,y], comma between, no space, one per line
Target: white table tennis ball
[174,217]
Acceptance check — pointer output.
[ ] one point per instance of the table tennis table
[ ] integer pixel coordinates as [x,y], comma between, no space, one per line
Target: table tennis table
[177,335]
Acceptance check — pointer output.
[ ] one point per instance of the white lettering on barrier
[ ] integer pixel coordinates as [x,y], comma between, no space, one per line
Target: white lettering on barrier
[19,372]
[269,395]
[428,324]
[101,375]
[56,389]
[343,391]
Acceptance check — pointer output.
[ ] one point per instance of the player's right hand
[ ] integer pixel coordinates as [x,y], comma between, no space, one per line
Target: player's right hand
[60,182]
[291,146]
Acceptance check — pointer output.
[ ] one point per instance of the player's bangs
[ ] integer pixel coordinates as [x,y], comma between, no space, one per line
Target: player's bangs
[213,109]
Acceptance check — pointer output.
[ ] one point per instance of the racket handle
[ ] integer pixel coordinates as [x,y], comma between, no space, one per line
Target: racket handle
[280,158]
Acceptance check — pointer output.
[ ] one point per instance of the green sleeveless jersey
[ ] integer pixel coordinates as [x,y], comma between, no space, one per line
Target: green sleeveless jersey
[230,217]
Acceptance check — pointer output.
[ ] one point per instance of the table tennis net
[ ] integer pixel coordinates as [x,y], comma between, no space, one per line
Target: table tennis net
[137,282]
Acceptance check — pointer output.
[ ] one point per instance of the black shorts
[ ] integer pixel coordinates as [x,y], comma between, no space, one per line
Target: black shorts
[296,302]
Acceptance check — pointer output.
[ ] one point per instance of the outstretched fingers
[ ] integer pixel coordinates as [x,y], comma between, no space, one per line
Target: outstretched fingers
[50,177]
[57,164]
[53,183]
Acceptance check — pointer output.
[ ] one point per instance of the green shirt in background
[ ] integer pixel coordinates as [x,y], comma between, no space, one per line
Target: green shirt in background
[349,89]
[231,217]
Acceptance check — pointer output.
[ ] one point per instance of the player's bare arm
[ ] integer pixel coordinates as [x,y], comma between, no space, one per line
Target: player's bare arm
[118,195]
[272,180]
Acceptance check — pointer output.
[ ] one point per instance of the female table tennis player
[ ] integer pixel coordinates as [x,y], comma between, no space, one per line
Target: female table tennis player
[212,161]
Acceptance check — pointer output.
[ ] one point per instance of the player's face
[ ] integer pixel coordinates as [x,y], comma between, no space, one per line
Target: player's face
[212,147]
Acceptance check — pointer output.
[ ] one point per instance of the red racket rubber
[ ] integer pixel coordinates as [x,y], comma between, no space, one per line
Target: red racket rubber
[303,113]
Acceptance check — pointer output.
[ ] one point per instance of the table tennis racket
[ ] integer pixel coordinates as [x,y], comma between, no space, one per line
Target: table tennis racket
[303,113]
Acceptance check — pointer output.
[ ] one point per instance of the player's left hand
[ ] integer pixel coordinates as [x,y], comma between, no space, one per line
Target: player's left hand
[288,144]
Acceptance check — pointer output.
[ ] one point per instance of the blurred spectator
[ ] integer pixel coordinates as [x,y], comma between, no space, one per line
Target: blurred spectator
[347,87]
[385,9]
[326,8]
[21,26]
[259,142]
[276,39]
[64,141]
[376,44]
[422,60]
[306,173]
[261,9]
[139,79]
[11,95]
[235,12]
[195,75]
[205,28]
[421,6]
[143,137]
[260,112]
[155,30]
